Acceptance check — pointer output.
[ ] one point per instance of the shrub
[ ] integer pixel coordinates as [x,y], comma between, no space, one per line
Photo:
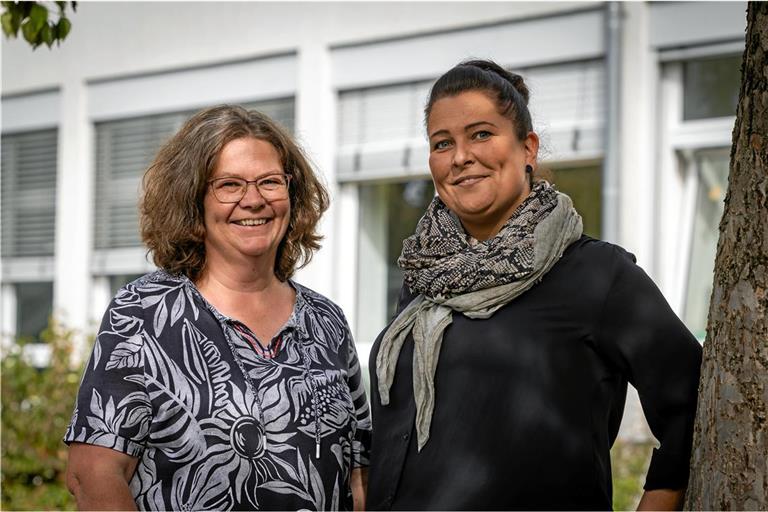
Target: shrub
[630,463]
[36,407]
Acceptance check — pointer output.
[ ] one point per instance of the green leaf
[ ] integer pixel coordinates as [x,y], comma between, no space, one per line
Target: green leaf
[61,6]
[46,34]
[63,28]
[38,15]
[29,31]
[7,21]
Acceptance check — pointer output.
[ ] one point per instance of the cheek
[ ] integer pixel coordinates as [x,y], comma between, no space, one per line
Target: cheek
[439,167]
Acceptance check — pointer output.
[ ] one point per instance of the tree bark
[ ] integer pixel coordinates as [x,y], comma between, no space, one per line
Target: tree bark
[729,466]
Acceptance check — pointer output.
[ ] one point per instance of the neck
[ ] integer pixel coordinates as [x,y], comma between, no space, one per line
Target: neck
[235,275]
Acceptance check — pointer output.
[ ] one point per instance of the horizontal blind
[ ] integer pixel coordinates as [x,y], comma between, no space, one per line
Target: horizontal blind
[568,108]
[124,150]
[381,130]
[29,193]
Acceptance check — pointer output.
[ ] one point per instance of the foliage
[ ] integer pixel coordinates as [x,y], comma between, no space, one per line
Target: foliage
[36,408]
[32,19]
[630,463]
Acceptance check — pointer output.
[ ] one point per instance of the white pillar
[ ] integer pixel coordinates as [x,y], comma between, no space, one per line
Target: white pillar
[638,168]
[316,132]
[74,215]
[7,315]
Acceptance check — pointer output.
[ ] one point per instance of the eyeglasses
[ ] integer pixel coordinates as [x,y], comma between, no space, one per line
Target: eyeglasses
[232,190]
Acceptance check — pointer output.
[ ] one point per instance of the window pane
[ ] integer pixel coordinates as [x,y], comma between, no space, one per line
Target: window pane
[711,87]
[389,213]
[28,193]
[118,281]
[584,186]
[713,183]
[34,307]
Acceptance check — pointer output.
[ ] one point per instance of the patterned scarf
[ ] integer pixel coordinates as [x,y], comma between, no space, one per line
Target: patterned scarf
[453,272]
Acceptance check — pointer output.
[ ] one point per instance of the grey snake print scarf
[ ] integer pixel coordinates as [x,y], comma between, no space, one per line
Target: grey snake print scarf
[453,272]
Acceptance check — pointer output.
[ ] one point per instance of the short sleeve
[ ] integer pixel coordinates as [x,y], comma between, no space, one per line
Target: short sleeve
[361,444]
[641,334]
[113,408]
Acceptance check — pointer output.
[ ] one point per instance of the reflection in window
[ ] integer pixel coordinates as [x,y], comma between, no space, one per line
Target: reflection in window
[389,213]
[118,281]
[712,168]
[34,306]
[583,185]
[711,87]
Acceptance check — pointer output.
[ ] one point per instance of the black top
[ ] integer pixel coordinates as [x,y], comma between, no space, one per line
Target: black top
[528,402]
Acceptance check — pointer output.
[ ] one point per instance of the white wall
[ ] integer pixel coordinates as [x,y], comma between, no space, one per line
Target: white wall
[130,58]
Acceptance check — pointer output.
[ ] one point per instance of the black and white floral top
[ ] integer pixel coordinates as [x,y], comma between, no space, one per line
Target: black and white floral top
[216,426]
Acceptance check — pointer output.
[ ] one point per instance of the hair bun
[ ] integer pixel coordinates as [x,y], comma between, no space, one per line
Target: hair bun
[516,80]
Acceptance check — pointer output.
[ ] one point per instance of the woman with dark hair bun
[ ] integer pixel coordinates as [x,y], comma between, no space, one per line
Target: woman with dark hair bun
[500,383]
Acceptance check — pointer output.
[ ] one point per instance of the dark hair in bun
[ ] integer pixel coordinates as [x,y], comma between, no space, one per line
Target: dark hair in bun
[506,88]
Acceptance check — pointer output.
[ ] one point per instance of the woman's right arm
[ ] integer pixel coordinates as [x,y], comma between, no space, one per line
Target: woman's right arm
[98,477]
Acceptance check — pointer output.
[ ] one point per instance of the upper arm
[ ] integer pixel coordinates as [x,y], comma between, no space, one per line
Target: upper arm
[86,460]
[654,350]
[362,441]
[113,409]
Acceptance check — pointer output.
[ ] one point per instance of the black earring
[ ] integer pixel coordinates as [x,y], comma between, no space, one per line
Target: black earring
[528,169]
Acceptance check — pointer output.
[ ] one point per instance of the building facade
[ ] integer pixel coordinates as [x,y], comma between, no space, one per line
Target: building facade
[634,102]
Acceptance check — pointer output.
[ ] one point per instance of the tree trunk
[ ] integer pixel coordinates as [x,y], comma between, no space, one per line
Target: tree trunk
[729,466]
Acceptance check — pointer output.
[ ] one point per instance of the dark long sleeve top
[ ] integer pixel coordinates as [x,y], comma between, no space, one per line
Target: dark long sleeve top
[528,402]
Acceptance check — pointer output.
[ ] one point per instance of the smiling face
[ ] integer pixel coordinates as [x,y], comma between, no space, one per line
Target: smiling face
[253,228]
[477,161]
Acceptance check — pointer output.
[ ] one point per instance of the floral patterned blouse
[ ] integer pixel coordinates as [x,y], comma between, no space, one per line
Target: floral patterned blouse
[215,425]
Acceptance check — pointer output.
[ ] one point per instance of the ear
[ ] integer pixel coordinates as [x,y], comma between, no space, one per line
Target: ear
[531,145]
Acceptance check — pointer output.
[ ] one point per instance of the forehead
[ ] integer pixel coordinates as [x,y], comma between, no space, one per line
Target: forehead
[462,109]
[248,155]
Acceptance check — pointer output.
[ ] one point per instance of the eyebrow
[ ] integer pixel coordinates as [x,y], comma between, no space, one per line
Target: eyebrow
[466,128]
[233,175]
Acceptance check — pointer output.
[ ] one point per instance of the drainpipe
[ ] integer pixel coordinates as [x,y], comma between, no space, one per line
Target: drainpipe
[611,175]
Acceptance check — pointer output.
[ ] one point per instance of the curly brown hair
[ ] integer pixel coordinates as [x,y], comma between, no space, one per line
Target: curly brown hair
[171,208]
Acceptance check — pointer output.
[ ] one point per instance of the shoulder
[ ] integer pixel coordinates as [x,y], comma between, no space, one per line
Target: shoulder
[599,251]
[318,303]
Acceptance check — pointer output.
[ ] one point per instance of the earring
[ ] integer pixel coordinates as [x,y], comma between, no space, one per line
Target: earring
[528,169]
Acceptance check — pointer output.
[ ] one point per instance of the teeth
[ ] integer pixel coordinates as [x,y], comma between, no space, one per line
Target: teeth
[251,222]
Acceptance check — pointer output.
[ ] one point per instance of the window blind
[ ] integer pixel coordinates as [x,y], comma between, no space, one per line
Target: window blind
[381,130]
[28,193]
[124,150]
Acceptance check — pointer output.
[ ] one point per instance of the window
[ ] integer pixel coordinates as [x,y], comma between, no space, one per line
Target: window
[124,149]
[712,170]
[389,213]
[28,193]
[584,186]
[381,131]
[118,281]
[34,306]
[711,87]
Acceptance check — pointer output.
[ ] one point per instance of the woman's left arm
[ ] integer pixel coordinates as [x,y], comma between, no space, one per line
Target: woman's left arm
[662,499]
[641,334]
[361,444]
[359,483]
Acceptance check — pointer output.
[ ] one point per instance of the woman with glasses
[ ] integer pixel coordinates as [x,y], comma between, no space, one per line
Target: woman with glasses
[217,382]
[500,383]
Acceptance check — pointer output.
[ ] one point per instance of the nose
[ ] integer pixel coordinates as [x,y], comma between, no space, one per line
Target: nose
[252,197]
[462,156]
